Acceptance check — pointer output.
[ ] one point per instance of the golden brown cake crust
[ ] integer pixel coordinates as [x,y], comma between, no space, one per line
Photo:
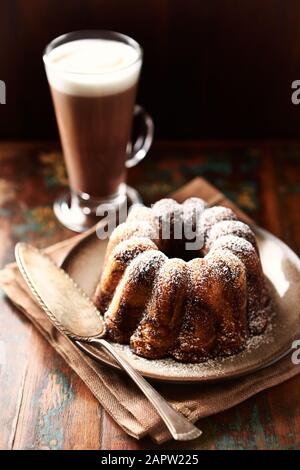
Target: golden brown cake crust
[160,325]
[195,309]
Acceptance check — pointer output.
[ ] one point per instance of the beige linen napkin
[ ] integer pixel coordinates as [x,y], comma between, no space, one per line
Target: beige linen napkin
[116,393]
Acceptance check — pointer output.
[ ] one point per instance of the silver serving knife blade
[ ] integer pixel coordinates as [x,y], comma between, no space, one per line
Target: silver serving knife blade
[67,306]
[72,312]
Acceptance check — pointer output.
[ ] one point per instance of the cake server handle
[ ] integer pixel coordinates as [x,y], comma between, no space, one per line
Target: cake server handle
[180,428]
[70,311]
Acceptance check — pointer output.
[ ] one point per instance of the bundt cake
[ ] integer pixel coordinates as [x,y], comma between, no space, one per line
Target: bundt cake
[165,297]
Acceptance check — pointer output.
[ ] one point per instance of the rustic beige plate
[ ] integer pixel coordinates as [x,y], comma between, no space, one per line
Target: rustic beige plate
[282,267]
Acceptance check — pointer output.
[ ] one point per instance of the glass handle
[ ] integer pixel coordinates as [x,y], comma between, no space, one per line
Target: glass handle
[142,144]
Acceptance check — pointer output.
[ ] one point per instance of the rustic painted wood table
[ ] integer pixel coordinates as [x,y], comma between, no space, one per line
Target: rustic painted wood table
[43,404]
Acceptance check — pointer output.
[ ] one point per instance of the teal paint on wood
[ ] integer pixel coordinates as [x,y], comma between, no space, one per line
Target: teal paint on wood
[4,212]
[258,428]
[268,421]
[52,400]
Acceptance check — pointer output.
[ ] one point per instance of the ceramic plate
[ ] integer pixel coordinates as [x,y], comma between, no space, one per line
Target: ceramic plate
[282,268]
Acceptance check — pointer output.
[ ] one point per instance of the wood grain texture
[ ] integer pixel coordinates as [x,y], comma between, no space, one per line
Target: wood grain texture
[43,404]
[58,403]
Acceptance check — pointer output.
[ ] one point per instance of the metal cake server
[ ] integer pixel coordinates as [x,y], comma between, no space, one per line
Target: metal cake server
[73,313]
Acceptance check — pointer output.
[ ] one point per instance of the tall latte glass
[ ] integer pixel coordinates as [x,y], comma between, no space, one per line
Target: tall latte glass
[93,78]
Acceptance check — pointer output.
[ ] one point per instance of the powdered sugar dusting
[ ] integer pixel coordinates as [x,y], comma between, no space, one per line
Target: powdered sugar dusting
[145,265]
[230,272]
[169,367]
[235,244]
[231,227]
[214,215]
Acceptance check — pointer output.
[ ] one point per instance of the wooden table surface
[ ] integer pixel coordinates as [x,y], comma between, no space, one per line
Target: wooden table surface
[43,404]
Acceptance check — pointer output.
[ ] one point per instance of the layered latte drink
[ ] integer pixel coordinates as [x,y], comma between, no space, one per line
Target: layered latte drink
[93,83]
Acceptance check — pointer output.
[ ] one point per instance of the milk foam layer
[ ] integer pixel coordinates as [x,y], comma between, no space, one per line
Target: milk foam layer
[92,67]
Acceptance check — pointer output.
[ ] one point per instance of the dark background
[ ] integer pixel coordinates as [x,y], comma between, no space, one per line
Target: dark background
[212,69]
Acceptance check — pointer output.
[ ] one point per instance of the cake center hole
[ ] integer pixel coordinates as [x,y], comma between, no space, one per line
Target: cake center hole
[177,249]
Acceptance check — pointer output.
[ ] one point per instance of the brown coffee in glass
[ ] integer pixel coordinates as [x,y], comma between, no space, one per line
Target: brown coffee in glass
[93,78]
